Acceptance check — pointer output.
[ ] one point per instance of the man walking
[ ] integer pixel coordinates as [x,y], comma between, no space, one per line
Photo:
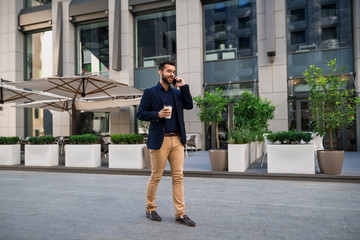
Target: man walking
[163,106]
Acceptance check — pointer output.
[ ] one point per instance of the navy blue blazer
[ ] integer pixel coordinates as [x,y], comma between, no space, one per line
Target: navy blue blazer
[152,102]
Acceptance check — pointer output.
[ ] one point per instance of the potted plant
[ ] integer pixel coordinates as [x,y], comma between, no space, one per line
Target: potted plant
[211,106]
[238,150]
[41,151]
[332,106]
[9,150]
[253,113]
[83,151]
[290,152]
[126,151]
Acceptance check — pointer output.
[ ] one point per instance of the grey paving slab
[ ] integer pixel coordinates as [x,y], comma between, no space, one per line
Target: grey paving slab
[52,205]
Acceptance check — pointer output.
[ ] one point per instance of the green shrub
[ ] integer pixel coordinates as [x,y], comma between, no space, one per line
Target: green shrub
[42,140]
[290,137]
[9,140]
[132,138]
[83,139]
[240,136]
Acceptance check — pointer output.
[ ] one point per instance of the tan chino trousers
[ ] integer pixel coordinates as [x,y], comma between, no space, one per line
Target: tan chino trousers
[173,150]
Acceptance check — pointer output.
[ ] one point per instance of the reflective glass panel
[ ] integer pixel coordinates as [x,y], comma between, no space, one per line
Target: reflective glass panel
[155,38]
[230,30]
[93,49]
[35,3]
[326,24]
[39,55]
[318,31]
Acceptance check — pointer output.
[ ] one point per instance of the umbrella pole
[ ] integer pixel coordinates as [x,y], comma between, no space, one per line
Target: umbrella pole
[73,119]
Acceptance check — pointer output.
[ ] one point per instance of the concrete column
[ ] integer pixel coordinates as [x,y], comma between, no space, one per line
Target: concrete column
[356,11]
[273,75]
[122,121]
[190,52]
[126,75]
[12,65]
[69,44]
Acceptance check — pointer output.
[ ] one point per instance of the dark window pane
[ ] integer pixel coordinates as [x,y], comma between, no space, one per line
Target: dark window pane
[220,26]
[328,33]
[243,22]
[244,42]
[297,37]
[328,10]
[297,15]
[156,38]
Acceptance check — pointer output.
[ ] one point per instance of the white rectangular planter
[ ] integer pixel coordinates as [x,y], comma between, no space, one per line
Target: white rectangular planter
[238,157]
[291,158]
[10,154]
[42,155]
[79,155]
[126,156]
[252,152]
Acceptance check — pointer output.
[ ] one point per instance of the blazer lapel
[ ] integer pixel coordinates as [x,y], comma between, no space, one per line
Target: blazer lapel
[160,96]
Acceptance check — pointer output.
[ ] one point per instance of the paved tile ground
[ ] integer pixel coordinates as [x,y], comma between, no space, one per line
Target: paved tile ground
[51,205]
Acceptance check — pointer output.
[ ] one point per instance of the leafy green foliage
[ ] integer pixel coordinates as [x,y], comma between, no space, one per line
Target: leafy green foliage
[9,140]
[211,106]
[289,137]
[42,140]
[332,105]
[127,138]
[83,139]
[240,136]
[252,112]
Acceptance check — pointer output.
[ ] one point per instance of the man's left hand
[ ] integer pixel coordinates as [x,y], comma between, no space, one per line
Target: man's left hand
[179,82]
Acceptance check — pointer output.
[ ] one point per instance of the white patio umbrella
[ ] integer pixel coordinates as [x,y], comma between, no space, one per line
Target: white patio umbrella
[11,94]
[80,87]
[55,105]
[82,105]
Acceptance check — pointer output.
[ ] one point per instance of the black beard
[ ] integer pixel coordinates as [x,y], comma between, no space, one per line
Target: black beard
[165,79]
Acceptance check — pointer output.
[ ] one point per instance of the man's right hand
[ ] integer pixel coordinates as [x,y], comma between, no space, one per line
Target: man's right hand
[165,112]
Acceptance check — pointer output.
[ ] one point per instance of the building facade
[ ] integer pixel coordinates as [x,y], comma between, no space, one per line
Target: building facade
[262,46]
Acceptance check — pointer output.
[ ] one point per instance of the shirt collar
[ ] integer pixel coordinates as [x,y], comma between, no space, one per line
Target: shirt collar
[162,88]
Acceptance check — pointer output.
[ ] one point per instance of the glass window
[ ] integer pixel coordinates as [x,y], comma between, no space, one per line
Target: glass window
[230,30]
[328,10]
[35,3]
[93,49]
[39,58]
[297,15]
[297,37]
[155,38]
[328,33]
[317,25]
[325,28]
[94,122]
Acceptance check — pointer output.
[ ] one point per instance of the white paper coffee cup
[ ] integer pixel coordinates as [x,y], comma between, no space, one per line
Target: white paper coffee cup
[168,107]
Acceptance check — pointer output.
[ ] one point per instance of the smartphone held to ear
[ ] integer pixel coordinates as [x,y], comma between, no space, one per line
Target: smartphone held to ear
[174,81]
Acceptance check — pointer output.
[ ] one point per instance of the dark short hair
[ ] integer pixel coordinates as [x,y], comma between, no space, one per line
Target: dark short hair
[162,65]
